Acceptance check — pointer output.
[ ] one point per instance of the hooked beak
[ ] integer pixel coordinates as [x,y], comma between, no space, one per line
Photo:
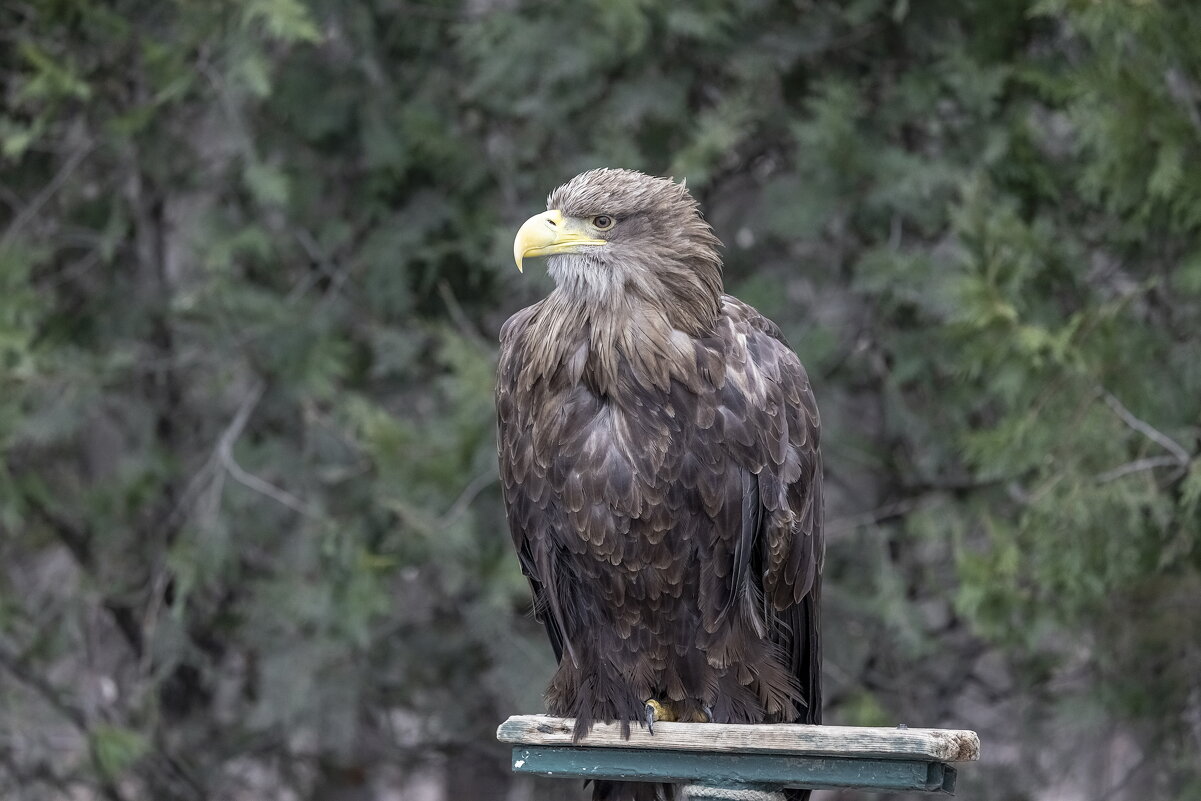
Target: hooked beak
[547,234]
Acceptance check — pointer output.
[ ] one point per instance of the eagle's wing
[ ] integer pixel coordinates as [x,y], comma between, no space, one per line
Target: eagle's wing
[781,546]
[518,474]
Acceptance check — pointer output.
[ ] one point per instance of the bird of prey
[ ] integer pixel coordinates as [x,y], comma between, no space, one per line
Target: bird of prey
[661,469]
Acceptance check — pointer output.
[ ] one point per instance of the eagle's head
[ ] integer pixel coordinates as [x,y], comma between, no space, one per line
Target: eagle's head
[619,238]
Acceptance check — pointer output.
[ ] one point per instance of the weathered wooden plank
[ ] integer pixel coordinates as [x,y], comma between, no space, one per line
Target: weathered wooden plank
[734,770]
[939,745]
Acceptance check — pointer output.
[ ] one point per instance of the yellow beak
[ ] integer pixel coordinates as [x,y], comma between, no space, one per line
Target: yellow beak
[549,233]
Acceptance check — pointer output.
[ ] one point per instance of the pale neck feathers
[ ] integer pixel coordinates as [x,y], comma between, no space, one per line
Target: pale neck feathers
[596,320]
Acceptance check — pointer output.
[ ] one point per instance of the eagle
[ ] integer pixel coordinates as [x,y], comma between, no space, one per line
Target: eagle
[662,473]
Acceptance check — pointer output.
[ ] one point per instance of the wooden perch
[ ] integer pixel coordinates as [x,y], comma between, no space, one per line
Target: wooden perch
[745,756]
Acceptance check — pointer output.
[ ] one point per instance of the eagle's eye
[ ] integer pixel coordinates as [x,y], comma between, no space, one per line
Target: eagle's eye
[602,222]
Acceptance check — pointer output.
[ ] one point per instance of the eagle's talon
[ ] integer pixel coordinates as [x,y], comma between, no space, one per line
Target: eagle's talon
[656,711]
[708,710]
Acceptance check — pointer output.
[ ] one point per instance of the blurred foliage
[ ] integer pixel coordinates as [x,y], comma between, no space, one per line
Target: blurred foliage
[252,265]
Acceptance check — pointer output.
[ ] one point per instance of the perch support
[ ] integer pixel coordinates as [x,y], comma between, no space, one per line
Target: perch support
[751,762]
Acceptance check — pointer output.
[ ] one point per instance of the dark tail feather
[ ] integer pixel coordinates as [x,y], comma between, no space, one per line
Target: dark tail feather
[632,791]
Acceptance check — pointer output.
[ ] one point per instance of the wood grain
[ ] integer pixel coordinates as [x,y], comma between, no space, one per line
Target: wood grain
[942,745]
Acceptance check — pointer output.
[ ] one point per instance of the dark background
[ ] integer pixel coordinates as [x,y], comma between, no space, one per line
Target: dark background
[253,261]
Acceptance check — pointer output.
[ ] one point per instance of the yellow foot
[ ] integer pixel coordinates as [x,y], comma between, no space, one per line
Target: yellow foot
[659,710]
[656,711]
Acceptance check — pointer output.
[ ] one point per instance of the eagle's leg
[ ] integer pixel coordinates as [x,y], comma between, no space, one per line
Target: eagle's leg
[656,711]
[659,710]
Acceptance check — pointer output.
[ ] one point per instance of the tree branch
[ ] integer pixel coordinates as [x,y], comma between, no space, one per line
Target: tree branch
[1138,466]
[1146,429]
[34,206]
[13,665]
[225,455]
[469,494]
[881,514]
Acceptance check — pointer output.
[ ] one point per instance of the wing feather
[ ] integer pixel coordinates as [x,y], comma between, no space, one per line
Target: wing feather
[780,550]
[524,484]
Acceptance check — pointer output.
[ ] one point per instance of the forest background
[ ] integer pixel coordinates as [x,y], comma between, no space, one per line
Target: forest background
[254,257]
